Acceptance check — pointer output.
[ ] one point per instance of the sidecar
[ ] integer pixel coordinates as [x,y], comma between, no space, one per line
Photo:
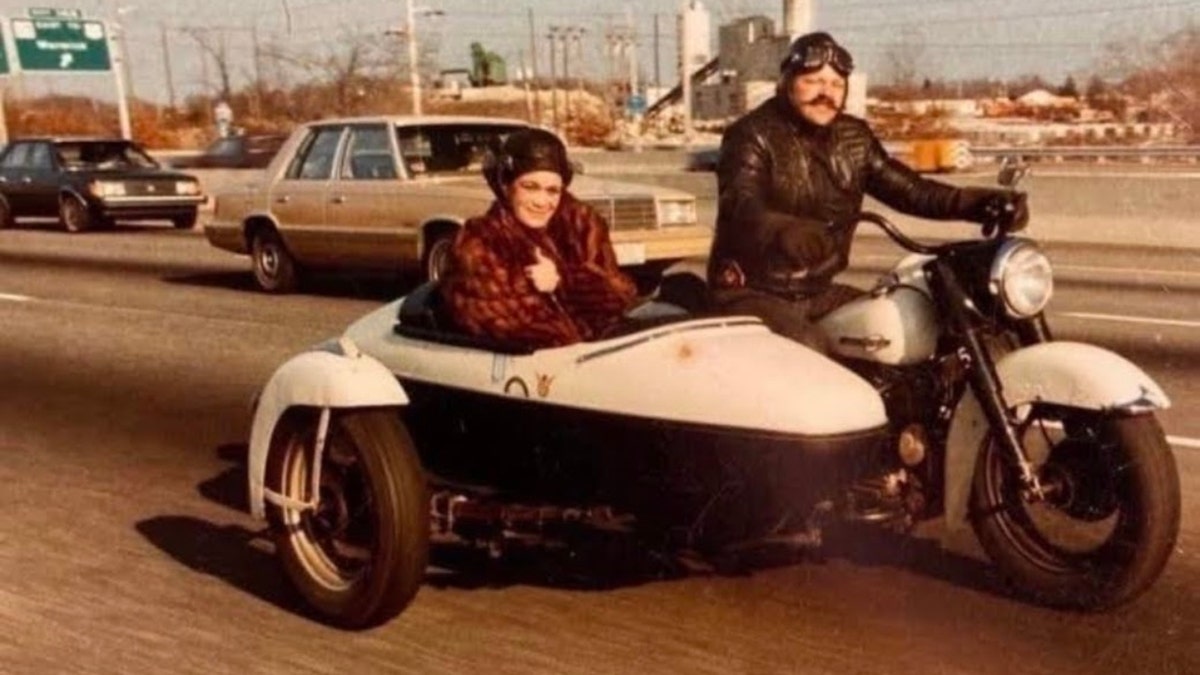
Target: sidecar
[687,430]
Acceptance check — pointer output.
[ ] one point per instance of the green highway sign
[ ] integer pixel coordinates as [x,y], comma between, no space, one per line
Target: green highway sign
[4,67]
[60,45]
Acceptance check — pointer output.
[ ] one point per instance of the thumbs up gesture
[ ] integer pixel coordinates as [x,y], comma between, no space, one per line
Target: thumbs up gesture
[543,273]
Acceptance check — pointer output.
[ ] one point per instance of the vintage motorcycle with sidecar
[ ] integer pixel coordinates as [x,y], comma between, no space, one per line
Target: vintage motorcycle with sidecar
[945,397]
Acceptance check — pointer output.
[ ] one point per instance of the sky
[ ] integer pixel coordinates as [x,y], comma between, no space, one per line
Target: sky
[955,39]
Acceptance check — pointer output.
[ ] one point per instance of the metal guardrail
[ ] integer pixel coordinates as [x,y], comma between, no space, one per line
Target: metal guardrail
[1143,153]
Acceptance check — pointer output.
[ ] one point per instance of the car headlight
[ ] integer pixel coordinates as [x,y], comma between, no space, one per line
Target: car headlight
[1022,278]
[104,188]
[187,187]
[677,211]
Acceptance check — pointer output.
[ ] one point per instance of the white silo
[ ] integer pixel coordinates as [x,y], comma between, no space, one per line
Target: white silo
[695,30]
[797,18]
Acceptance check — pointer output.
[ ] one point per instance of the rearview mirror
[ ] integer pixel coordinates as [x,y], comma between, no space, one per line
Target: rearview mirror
[1012,170]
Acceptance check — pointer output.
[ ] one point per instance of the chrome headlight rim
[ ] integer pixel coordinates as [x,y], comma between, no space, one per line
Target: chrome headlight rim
[1022,278]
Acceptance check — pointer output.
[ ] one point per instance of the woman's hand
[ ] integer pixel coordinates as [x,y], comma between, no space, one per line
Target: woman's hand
[543,273]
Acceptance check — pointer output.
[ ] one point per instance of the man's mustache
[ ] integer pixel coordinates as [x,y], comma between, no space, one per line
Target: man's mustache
[821,99]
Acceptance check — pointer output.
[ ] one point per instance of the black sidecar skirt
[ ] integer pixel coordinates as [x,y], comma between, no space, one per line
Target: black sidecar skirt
[705,483]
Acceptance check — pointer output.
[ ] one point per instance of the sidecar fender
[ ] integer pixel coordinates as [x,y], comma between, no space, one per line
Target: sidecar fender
[339,378]
[1066,373]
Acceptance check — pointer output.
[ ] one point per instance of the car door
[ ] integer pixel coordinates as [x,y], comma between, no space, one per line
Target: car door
[297,200]
[14,178]
[45,179]
[363,198]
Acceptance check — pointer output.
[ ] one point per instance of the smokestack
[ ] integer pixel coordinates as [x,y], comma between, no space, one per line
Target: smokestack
[797,18]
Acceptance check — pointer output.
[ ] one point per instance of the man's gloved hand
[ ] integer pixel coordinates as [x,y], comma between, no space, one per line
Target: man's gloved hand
[992,208]
[805,244]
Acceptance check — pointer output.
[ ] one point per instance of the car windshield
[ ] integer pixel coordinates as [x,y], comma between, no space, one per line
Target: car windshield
[103,155]
[449,148]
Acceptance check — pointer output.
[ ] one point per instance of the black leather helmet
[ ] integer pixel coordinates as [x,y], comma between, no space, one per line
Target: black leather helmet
[811,51]
[525,151]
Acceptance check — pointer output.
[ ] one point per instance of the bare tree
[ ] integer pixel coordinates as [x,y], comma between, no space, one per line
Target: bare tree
[904,67]
[213,45]
[1164,72]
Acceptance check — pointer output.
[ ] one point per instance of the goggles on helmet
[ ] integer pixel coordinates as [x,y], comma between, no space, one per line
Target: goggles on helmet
[812,56]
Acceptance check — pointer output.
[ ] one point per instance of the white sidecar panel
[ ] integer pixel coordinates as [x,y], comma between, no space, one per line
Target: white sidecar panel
[727,371]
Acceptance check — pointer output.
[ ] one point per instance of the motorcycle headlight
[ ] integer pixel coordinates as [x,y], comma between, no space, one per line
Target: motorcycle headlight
[1022,278]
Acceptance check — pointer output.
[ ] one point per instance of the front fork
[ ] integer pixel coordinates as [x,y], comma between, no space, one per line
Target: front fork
[985,381]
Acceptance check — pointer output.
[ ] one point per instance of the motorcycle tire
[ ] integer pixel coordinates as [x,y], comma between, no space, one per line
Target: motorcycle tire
[1110,523]
[359,557]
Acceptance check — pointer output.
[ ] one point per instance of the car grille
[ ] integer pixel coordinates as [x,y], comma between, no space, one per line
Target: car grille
[627,213]
[150,188]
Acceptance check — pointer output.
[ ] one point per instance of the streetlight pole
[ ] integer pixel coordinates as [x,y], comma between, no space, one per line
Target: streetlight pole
[413,70]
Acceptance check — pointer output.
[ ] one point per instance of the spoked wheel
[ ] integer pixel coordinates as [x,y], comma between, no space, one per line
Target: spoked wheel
[359,557]
[1110,517]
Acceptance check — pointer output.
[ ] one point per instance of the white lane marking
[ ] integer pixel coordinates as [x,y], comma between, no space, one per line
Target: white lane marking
[11,297]
[1134,271]
[1119,318]
[1182,442]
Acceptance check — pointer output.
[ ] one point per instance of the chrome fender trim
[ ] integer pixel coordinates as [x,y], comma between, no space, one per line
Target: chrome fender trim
[317,379]
[1071,374]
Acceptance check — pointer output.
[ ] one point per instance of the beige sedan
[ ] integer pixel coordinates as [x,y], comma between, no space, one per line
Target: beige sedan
[389,193]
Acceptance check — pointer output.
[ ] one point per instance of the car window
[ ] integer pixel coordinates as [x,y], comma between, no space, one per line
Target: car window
[103,155]
[17,157]
[316,156]
[41,157]
[450,148]
[223,146]
[368,155]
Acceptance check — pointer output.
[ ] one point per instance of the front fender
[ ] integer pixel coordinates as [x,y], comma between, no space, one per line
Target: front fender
[316,379]
[1070,374]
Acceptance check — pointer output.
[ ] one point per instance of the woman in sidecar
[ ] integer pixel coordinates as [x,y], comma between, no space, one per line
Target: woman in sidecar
[538,268]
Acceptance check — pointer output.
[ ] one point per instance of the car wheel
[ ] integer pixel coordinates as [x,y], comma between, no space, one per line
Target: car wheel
[185,222]
[6,216]
[274,268]
[74,215]
[437,255]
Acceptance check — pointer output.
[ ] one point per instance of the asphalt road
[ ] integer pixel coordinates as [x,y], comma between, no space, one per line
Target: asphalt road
[128,363]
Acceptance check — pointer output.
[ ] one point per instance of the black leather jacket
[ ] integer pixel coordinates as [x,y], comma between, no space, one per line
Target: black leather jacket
[778,171]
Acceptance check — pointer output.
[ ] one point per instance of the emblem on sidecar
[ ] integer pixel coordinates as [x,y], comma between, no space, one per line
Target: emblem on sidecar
[543,385]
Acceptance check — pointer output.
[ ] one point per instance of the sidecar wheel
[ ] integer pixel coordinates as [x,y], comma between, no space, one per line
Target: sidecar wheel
[359,557]
[1110,522]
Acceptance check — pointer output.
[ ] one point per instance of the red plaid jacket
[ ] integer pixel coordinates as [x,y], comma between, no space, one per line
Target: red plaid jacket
[489,294]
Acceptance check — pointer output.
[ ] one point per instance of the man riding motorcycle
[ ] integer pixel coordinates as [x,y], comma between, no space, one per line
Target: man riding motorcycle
[794,166]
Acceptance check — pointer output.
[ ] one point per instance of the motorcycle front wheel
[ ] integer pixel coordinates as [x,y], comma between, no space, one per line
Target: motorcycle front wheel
[358,558]
[1110,517]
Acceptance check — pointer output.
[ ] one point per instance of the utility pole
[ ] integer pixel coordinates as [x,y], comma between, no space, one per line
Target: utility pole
[553,37]
[413,70]
[166,53]
[533,69]
[657,78]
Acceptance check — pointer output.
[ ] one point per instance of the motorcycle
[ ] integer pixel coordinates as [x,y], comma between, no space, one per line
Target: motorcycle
[945,396]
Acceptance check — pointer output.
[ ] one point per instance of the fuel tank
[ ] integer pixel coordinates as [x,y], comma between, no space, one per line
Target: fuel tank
[895,325]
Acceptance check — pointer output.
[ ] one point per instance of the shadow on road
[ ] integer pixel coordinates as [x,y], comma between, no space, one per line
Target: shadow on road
[232,553]
[245,559]
[332,284]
